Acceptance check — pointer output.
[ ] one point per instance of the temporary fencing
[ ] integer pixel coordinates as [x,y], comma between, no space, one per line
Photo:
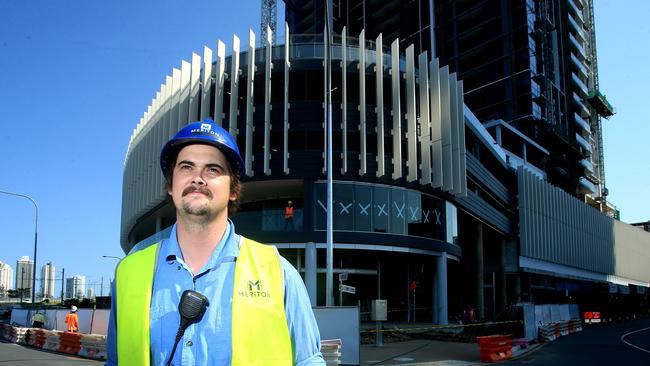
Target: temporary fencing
[495,348]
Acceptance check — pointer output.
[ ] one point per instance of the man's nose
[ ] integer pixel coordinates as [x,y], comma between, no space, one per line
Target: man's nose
[198,177]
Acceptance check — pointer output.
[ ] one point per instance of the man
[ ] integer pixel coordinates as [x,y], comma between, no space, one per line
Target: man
[72,320]
[288,216]
[258,310]
[38,320]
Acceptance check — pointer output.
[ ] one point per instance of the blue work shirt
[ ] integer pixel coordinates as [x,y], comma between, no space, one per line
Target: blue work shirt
[209,342]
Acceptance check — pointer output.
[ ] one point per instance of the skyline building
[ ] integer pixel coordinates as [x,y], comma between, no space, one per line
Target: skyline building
[24,275]
[48,276]
[75,287]
[6,278]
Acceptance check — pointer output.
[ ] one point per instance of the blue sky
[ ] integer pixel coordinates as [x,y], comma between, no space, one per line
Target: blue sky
[76,76]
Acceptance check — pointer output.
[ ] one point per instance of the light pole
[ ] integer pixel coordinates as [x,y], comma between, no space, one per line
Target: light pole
[108,256]
[329,283]
[35,240]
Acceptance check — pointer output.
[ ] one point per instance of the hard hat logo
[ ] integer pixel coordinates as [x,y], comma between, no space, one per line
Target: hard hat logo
[205,127]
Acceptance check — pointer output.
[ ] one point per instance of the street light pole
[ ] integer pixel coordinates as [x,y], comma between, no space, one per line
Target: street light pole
[35,240]
[329,283]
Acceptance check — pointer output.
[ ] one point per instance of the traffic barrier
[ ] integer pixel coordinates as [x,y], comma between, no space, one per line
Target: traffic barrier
[495,348]
[52,340]
[70,342]
[93,346]
[331,351]
[547,333]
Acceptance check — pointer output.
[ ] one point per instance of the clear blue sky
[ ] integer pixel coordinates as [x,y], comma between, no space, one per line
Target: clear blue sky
[76,76]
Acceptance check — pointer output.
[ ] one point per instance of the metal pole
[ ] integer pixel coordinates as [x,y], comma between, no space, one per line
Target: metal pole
[35,240]
[62,283]
[329,295]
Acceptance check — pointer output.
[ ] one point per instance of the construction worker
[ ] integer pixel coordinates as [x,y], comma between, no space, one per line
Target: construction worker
[258,311]
[38,320]
[288,216]
[72,320]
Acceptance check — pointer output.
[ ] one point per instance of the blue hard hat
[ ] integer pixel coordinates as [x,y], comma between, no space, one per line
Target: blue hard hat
[204,132]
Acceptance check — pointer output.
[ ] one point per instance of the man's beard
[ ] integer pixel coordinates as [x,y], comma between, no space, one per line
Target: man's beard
[200,210]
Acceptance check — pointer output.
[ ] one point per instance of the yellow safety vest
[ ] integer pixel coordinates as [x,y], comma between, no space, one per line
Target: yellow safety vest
[260,335]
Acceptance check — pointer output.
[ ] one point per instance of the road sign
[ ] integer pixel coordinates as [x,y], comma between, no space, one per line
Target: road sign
[348,289]
[343,276]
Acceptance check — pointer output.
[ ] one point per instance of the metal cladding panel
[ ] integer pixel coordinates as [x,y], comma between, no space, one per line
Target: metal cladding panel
[250,109]
[425,122]
[344,101]
[558,228]
[184,103]
[176,99]
[396,113]
[446,140]
[285,130]
[379,86]
[195,89]
[267,101]
[411,130]
[220,82]
[436,124]
[362,104]
[234,91]
[461,140]
[206,83]
[169,92]
[454,122]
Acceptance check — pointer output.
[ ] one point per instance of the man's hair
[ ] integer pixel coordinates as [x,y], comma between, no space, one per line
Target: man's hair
[235,182]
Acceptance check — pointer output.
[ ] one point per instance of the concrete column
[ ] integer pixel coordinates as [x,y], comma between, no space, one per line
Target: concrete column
[434,291]
[517,288]
[442,304]
[502,290]
[310,271]
[480,308]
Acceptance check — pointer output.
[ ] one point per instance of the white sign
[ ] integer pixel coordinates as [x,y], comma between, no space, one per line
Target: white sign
[343,276]
[348,289]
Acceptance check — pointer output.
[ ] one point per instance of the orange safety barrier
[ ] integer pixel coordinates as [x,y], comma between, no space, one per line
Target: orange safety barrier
[40,338]
[495,348]
[70,342]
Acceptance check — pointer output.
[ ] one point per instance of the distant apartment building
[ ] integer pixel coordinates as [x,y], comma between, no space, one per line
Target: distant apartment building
[24,271]
[47,280]
[90,293]
[75,287]
[6,278]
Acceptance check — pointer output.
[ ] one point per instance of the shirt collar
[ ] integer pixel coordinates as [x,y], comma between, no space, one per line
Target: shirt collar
[228,246]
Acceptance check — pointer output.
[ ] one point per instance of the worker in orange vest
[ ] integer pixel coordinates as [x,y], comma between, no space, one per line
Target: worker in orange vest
[72,320]
[469,315]
[288,216]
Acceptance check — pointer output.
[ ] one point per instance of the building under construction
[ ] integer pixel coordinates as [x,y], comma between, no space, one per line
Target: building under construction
[467,154]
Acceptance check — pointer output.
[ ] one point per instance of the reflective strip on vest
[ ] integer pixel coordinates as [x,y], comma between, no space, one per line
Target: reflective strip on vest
[257,307]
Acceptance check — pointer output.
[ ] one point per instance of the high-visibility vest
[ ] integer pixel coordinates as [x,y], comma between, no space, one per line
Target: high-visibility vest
[260,335]
[288,212]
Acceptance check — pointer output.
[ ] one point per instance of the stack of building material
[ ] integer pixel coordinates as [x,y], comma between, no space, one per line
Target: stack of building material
[331,350]
[93,346]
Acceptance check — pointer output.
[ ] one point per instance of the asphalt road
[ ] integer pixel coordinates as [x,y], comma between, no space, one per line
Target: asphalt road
[596,345]
[13,354]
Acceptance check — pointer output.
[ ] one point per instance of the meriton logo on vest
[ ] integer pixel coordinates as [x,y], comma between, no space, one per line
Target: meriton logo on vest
[254,289]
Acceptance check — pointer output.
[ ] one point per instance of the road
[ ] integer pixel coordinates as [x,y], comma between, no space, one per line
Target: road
[13,354]
[596,345]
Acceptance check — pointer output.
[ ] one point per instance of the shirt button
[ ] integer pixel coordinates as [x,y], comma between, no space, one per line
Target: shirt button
[189,343]
[179,268]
